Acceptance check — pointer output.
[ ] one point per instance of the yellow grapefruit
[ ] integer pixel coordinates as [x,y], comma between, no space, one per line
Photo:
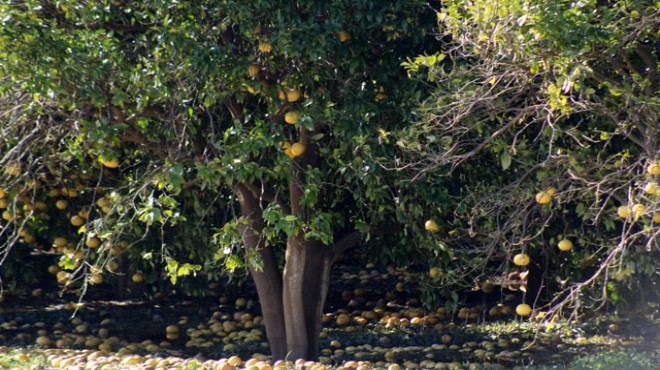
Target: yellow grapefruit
[624,211]
[253,70]
[431,226]
[543,197]
[651,188]
[297,149]
[638,209]
[523,309]
[565,245]
[291,117]
[265,47]
[521,259]
[653,169]
[137,278]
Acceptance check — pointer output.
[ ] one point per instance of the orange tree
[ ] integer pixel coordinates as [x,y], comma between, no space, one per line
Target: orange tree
[138,127]
[549,111]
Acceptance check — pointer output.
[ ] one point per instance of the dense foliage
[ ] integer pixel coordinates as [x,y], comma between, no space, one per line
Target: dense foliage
[173,134]
[545,115]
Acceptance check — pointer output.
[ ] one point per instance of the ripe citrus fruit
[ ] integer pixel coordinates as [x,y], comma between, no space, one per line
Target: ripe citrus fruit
[60,242]
[92,242]
[521,259]
[297,149]
[638,209]
[656,217]
[624,211]
[431,226]
[543,197]
[653,169]
[265,47]
[291,95]
[565,245]
[111,163]
[61,204]
[241,302]
[651,188]
[96,279]
[291,117]
[344,36]
[435,272]
[253,70]
[523,309]
[77,220]
[137,278]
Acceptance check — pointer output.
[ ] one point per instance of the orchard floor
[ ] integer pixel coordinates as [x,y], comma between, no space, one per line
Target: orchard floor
[373,320]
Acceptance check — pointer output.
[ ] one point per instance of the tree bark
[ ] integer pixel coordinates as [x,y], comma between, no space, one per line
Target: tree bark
[318,265]
[268,280]
[294,304]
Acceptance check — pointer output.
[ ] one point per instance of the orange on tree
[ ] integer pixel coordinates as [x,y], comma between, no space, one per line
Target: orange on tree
[77,220]
[638,209]
[435,272]
[137,278]
[60,242]
[344,36]
[265,47]
[253,70]
[291,117]
[92,242]
[521,259]
[431,226]
[651,188]
[289,94]
[297,149]
[565,245]
[109,163]
[653,169]
[544,197]
[624,211]
[61,204]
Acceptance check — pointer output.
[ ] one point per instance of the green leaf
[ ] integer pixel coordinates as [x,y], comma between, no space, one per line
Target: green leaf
[505,160]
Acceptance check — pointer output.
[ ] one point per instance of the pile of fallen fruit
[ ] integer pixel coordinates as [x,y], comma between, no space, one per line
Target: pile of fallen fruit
[373,321]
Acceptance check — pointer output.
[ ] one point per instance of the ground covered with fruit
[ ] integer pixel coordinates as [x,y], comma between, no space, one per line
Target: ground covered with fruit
[374,320]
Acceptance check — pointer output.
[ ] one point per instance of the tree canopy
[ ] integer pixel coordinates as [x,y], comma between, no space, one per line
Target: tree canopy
[546,114]
[194,135]
[191,138]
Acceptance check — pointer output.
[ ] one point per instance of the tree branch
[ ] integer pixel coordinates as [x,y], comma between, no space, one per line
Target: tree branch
[234,108]
[262,194]
[352,239]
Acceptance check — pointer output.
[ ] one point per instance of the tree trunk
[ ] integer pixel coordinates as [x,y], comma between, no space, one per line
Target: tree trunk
[315,290]
[294,304]
[268,280]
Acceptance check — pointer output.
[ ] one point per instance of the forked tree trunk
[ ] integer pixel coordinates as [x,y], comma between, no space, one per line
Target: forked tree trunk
[291,301]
